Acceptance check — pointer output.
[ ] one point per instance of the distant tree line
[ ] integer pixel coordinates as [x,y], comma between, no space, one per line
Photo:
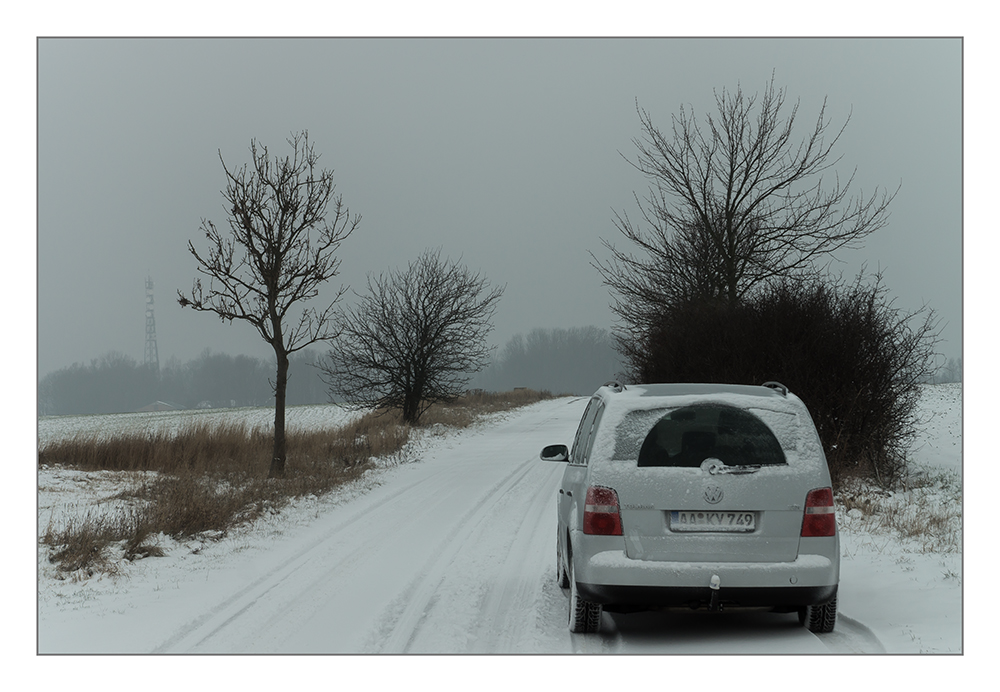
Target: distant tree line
[117,383]
[562,361]
[949,372]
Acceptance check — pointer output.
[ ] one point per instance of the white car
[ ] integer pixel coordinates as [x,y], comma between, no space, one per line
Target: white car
[696,495]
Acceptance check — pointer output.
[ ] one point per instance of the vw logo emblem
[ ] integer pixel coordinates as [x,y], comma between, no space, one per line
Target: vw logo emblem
[713,494]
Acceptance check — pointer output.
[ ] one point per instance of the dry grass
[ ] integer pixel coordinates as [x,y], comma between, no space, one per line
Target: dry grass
[464,411]
[214,477]
[927,510]
[80,543]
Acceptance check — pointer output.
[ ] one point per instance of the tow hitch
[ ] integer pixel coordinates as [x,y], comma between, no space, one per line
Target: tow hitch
[714,584]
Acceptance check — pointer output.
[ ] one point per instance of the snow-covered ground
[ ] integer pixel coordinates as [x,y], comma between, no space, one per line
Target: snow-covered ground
[311,417]
[452,551]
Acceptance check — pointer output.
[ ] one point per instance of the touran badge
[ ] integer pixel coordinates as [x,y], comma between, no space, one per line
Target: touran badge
[713,494]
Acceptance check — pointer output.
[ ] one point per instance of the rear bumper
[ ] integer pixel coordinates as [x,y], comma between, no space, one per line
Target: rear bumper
[610,577]
[790,597]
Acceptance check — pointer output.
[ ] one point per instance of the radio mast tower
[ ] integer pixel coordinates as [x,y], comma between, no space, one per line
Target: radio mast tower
[152,356]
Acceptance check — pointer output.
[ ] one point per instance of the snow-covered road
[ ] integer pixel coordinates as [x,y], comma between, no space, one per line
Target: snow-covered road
[449,556]
[451,553]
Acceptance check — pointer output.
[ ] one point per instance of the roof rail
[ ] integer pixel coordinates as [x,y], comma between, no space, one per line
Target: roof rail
[614,386]
[778,386]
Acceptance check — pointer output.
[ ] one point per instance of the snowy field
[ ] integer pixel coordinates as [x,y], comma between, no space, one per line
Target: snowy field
[313,417]
[452,551]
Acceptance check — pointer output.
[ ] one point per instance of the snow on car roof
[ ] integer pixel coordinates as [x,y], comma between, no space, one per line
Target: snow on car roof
[639,397]
[683,389]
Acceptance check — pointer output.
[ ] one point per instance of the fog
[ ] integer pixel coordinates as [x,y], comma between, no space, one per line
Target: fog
[508,153]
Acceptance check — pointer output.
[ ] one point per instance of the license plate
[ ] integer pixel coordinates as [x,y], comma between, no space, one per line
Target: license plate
[713,521]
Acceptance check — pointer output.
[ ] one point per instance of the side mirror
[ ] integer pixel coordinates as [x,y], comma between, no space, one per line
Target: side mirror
[555,453]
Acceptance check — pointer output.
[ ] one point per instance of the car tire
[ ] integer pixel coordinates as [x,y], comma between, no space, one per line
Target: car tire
[562,578]
[820,618]
[584,616]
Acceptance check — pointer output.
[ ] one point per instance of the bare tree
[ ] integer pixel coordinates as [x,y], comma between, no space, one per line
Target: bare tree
[732,205]
[280,248]
[415,338]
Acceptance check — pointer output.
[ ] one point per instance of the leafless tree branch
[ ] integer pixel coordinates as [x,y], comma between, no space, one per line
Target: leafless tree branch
[733,204]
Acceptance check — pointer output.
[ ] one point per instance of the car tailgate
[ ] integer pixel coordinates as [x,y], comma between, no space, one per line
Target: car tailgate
[719,508]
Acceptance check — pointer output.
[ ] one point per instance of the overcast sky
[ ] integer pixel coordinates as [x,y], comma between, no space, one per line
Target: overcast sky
[507,153]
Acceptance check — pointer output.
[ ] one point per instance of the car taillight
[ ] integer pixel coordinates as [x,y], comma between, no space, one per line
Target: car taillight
[819,518]
[600,513]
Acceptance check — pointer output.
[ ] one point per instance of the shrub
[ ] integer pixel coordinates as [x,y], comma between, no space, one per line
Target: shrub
[854,359]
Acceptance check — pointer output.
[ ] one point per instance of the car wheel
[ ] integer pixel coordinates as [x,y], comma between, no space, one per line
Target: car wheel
[819,618]
[561,577]
[584,616]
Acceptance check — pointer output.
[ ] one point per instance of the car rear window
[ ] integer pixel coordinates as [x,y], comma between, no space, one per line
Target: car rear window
[685,437]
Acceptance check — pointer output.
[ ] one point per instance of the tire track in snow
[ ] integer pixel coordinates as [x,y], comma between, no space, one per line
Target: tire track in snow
[852,637]
[284,595]
[351,562]
[513,594]
[224,614]
[404,625]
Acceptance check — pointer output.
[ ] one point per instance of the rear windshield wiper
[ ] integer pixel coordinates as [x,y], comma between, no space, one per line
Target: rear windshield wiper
[720,468]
